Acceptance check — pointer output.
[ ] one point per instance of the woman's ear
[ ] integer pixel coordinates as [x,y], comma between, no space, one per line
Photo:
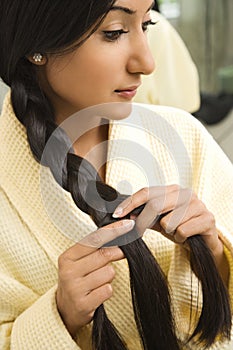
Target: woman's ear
[38,59]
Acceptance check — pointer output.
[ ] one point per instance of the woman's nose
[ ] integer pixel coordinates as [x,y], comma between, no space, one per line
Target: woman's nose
[141,60]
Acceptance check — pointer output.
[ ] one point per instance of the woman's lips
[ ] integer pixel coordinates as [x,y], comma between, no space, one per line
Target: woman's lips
[127,93]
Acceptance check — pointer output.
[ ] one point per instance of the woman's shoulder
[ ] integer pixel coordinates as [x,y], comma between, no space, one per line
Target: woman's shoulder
[166,111]
[159,116]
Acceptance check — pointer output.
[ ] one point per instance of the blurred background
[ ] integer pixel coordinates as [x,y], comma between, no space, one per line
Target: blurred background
[206,27]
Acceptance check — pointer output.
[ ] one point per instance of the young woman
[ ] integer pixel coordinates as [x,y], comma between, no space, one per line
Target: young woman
[60,59]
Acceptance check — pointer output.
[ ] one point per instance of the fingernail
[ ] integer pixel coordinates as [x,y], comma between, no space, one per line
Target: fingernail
[129,224]
[169,230]
[117,213]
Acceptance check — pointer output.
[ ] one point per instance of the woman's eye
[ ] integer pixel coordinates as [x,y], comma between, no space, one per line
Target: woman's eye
[113,35]
[146,24]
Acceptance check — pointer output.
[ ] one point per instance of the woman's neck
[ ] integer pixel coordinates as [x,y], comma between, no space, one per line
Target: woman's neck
[93,146]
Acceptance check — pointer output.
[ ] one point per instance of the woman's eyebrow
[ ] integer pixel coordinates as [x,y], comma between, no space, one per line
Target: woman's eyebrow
[122,8]
[128,10]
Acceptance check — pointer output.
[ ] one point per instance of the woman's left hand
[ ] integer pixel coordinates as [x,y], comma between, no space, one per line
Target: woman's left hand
[178,214]
[183,214]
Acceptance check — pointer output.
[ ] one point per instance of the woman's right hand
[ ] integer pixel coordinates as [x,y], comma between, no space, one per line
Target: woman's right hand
[85,274]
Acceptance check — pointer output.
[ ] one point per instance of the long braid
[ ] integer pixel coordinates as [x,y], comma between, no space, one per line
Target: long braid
[156,332]
[39,125]
[32,109]
[151,305]
[37,116]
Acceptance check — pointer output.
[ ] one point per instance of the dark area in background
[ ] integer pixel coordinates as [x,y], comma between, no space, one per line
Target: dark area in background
[214,108]
[156,6]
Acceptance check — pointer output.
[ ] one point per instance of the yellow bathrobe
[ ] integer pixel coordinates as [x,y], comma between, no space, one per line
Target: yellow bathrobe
[39,221]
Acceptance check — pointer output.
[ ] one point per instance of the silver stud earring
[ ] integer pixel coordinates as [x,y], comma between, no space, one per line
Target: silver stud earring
[37,57]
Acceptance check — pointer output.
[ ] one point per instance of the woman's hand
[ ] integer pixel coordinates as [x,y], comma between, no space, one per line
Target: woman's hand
[85,275]
[183,215]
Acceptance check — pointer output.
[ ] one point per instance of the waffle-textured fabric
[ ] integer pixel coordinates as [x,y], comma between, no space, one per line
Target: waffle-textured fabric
[39,221]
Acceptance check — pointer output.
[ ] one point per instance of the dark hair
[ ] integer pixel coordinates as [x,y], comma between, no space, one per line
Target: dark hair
[46,26]
[151,309]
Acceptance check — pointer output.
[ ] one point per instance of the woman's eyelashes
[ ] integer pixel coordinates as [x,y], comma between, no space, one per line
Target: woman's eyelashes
[114,35]
[146,24]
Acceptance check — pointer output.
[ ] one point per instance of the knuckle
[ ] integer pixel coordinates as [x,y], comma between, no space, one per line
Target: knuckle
[211,218]
[66,274]
[113,226]
[145,192]
[194,198]
[163,223]
[199,205]
[81,305]
[186,195]
[202,206]
[122,227]
[117,230]
[181,232]
[107,291]
[62,262]
[155,205]
[194,195]
[90,315]
[95,239]
[169,229]
[110,272]
[105,253]
[66,270]
[174,187]
[179,239]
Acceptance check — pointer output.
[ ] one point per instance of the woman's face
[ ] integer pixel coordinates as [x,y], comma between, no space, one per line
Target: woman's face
[107,67]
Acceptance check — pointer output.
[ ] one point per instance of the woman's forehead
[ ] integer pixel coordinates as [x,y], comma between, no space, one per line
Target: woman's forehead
[132,6]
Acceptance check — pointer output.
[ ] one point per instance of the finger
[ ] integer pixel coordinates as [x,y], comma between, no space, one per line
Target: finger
[107,234]
[142,196]
[152,211]
[98,296]
[98,238]
[190,209]
[98,259]
[99,278]
[203,225]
